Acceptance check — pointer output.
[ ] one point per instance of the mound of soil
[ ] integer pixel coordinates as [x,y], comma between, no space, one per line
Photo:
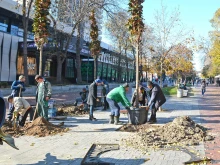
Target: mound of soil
[182,131]
[39,127]
[70,110]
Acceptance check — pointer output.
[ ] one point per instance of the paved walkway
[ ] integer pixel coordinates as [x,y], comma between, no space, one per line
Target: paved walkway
[71,147]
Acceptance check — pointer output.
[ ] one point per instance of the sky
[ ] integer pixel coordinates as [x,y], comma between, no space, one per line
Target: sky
[195,14]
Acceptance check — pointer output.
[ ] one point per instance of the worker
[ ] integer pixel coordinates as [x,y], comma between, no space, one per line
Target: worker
[22,108]
[157,99]
[115,96]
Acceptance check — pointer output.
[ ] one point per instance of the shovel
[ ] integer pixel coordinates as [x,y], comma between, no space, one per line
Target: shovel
[7,139]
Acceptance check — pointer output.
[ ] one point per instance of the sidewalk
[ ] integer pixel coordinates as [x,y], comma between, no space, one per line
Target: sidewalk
[71,147]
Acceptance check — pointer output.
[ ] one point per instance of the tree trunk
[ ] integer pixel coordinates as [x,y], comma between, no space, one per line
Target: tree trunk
[25,64]
[119,70]
[40,61]
[137,75]
[78,60]
[95,67]
[59,70]
[161,74]
[127,65]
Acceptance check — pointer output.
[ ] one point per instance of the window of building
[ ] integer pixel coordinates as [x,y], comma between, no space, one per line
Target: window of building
[69,68]
[32,66]
[3,23]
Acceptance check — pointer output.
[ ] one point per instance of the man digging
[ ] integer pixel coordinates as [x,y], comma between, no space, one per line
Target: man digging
[21,107]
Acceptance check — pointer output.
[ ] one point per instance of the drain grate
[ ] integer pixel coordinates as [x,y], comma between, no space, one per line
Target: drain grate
[92,156]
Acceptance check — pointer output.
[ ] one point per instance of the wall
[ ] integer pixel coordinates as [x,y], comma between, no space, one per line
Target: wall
[8,56]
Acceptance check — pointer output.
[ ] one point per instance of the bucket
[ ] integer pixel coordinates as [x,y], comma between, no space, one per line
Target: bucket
[185,93]
[51,103]
[179,93]
[138,116]
[52,112]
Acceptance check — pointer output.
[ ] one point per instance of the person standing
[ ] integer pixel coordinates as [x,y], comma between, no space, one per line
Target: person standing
[105,91]
[157,99]
[203,87]
[115,96]
[92,97]
[43,94]
[18,87]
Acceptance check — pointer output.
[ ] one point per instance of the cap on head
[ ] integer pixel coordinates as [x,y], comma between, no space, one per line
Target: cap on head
[125,85]
[38,77]
[98,81]
[10,97]
[21,77]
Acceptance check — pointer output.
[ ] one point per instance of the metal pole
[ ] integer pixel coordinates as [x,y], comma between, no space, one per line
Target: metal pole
[88,70]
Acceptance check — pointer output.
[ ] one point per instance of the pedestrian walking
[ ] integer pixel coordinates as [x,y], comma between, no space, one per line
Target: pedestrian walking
[92,97]
[113,98]
[157,99]
[203,87]
[21,108]
[43,94]
[142,97]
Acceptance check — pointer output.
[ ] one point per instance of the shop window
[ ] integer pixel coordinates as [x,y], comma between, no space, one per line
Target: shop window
[14,30]
[3,23]
[69,68]
[32,67]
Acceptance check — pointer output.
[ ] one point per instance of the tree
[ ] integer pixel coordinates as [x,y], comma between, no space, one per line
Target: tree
[116,26]
[26,6]
[40,26]
[71,17]
[95,43]
[169,32]
[136,27]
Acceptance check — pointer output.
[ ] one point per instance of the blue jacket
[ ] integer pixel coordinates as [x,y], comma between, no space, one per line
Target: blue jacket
[16,89]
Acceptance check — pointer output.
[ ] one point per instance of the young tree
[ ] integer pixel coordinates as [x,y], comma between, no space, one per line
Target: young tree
[136,27]
[40,26]
[95,43]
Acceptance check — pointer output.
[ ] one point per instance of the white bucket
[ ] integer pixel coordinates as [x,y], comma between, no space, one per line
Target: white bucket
[179,93]
[185,93]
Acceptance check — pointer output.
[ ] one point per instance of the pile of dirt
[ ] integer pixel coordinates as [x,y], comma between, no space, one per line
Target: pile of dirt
[71,110]
[39,127]
[8,128]
[182,131]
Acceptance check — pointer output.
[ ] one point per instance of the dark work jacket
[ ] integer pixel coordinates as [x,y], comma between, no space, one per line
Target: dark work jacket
[92,94]
[134,98]
[16,89]
[156,96]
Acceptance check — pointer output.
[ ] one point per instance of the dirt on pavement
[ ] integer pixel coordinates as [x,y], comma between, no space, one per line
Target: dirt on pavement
[39,127]
[70,110]
[182,131]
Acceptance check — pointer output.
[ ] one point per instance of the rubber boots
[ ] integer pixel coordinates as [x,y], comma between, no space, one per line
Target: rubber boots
[111,121]
[92,118]
[117,122]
